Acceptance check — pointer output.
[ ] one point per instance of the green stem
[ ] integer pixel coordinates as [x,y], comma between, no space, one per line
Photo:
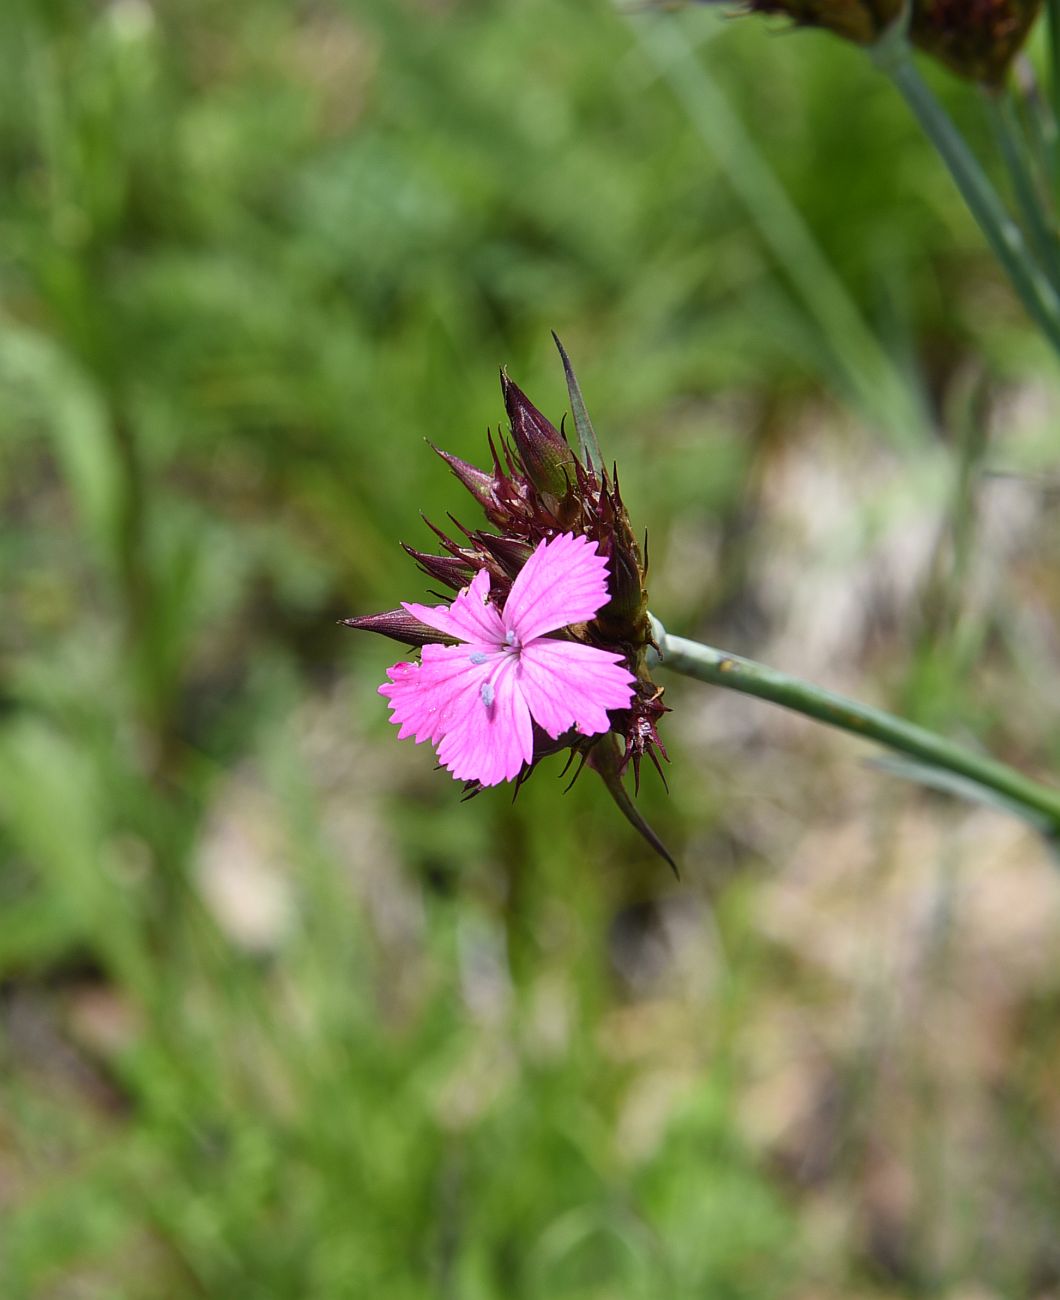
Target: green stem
[1037,802]
[867,369]
[1002,233]
[1041,125]
[1025,190]
[1054,56]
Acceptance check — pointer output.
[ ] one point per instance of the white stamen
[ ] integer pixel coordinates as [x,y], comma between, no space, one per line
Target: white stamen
[486,691]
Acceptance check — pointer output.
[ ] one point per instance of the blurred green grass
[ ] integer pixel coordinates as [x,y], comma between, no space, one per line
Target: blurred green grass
[280,1016]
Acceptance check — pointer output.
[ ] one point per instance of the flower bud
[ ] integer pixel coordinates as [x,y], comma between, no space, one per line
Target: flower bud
[861,21]
[543,450]
[977,39]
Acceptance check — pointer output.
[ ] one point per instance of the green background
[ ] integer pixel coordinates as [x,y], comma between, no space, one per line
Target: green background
[281,1017]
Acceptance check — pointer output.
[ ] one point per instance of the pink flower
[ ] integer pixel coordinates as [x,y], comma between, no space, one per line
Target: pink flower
[476,701]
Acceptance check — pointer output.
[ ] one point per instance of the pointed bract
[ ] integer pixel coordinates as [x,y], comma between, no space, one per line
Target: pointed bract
[508,552]
[477,481]
[397,624]
[606,761]
[454,570]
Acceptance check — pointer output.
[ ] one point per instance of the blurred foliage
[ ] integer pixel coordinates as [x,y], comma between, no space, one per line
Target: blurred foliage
[280,1017]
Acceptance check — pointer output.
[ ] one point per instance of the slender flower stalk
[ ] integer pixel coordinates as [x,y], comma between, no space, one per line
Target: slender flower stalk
[974,773]
[1040,297]
[869,372]
[979,41]
[1030,196]
[1041,129]
[1054,55]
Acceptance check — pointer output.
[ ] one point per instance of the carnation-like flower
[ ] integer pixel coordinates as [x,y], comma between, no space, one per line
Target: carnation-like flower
[539,488]
[545,646]
[477,701]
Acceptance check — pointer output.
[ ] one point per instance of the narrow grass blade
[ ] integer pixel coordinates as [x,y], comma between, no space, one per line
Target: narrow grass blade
[870,374]
[962,787]
[590,448]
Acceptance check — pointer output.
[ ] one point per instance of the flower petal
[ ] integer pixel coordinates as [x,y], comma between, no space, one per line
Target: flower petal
[490,736]
[467,701]
[567,684]
[411,707]
[563,582]
[425,698]
[469,618]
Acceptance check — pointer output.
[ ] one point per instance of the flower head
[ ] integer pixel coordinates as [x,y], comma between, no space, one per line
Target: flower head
[977,39]
[545,645]
[537,489]
[478,701]
[861,21]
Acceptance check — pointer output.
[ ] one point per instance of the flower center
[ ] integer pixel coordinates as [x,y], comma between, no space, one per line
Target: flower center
[512,644]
